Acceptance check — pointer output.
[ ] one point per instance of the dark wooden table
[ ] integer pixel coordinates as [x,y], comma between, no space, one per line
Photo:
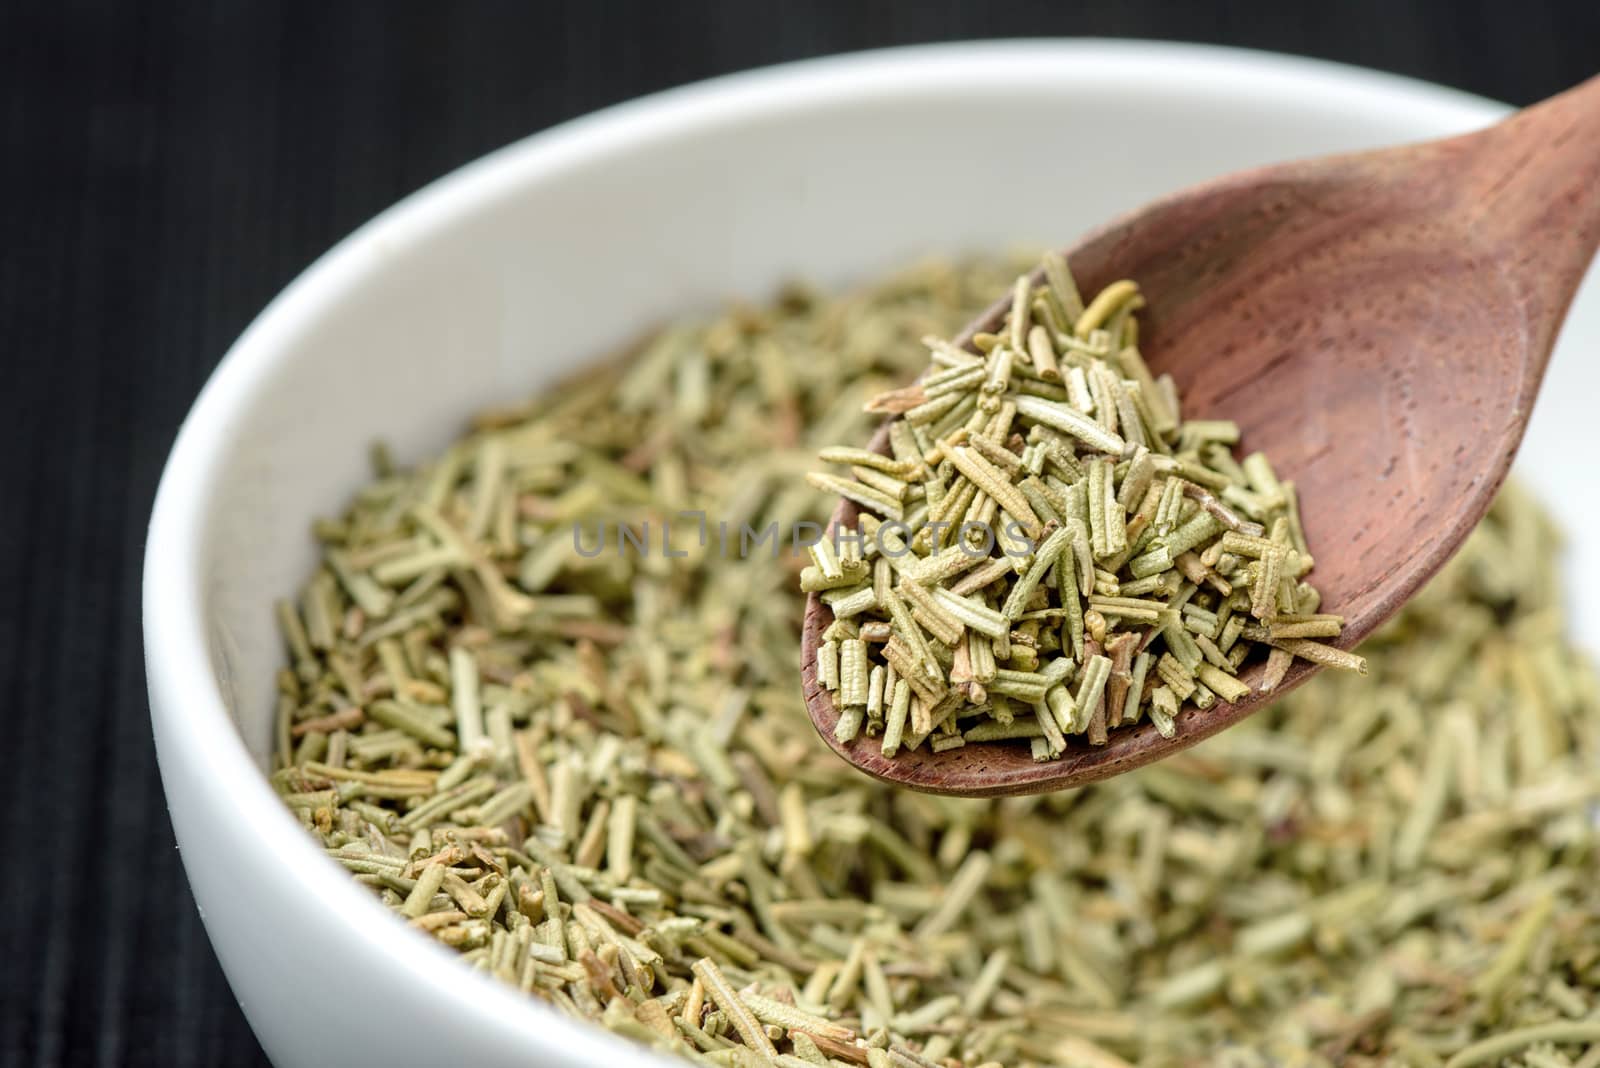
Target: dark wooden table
[165,170]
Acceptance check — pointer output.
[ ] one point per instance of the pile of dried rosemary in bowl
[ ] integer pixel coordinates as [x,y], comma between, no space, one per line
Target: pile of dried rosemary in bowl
[1049,549]
[588,768]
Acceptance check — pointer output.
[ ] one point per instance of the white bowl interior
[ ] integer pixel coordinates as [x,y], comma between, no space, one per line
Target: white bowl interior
[555,251]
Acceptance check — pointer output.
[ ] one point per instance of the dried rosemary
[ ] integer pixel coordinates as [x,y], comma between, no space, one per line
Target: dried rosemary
[1128,563]
[593,776]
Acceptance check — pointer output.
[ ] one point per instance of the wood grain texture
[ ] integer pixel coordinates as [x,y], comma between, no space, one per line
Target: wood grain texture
[166,168]
[1378,324]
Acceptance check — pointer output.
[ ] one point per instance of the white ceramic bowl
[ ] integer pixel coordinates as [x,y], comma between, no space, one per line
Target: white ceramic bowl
[517,268]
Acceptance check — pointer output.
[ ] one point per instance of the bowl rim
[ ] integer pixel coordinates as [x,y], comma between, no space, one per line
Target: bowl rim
[197,737]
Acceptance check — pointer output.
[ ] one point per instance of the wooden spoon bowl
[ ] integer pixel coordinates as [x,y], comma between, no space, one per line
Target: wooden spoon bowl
[1378,324]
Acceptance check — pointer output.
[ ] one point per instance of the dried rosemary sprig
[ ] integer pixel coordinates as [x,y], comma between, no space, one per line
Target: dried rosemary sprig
[1062,554]
[594,776]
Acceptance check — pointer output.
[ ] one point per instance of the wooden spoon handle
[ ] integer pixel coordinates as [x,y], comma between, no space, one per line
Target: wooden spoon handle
[1534,197]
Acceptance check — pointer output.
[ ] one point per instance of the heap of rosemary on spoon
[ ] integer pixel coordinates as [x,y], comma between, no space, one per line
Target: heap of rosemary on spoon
[1049,549]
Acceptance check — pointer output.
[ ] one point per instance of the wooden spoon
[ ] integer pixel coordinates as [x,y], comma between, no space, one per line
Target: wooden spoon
[1378,324]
